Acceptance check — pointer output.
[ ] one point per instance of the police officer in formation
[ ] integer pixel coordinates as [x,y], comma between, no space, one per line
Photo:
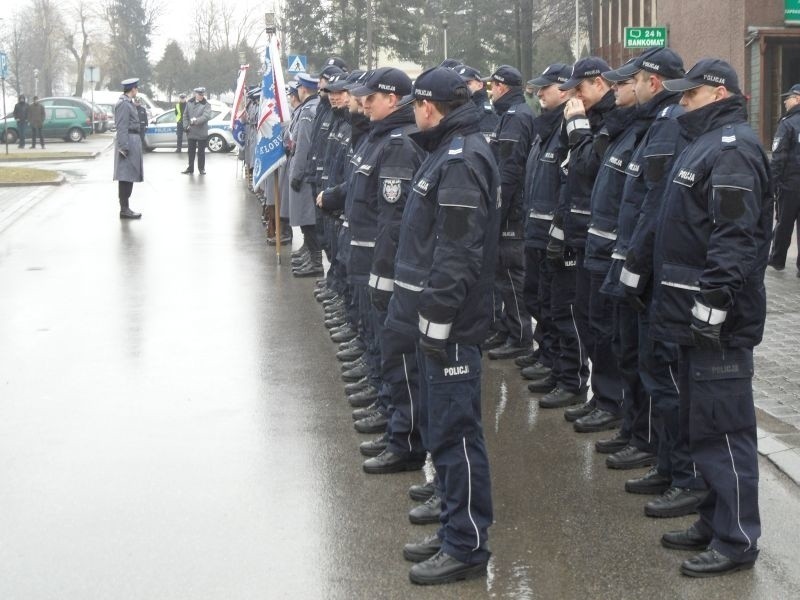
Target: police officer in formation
[642,212]
[786,179]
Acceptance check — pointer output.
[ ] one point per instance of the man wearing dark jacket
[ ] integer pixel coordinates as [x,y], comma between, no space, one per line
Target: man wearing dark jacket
[487,118]
[584,117]
[511,142]
[443,283]
[786,178]
[711,251]
[21,116]
[37,116]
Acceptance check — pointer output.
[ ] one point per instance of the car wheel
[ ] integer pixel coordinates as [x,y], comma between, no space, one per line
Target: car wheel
[12,136]
[75,134]
[217,143]
[147,148]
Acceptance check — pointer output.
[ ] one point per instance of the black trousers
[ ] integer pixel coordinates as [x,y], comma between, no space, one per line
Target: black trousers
[788,218]
[180,138]
[197,147]
[36,132]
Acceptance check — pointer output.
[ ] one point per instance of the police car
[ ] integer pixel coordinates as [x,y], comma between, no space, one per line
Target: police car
[162,131]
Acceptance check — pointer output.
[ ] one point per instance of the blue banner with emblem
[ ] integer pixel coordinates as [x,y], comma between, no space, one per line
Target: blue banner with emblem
[273,111]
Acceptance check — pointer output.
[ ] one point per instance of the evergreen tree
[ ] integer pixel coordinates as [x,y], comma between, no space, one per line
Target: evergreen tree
[171,72]
[129,32]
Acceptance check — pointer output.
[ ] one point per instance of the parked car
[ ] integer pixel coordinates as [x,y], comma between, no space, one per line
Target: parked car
[63,122]
[109,110]
[162,131]
[100,119]
[111,97]
[86,107]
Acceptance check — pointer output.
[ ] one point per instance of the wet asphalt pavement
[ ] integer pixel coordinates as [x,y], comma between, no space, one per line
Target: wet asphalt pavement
[173,426]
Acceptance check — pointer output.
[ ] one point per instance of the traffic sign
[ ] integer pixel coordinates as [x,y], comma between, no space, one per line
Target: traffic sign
[645,37]
[297,63]
[3,65]
[791,12]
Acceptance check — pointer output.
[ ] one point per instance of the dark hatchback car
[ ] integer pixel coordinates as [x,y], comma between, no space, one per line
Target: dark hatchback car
[86,107]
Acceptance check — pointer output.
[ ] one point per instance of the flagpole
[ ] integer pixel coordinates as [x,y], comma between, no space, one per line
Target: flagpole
[277,215]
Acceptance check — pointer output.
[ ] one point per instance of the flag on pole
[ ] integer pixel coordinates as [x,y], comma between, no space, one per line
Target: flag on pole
[239,112]
[273,111]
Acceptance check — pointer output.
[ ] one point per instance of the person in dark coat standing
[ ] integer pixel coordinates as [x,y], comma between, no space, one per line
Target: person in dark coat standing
[142,112]
[786,178]
[195,122]
[128,159]
[36,116]
[21,115]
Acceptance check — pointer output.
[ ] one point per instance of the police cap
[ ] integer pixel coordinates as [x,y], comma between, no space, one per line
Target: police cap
[618,75]
[329,71]
[585,68]
[793,91]
[708,71]
[555,73]
[200,90]
[291,88]
[438,84]
[335,61]
[468,73]
[307,81]
[450,63]
[506,74]
[387,80]
[129,84]
[344,82]
[660,61]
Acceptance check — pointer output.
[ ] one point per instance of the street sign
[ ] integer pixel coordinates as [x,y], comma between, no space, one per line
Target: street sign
[91,75]
[791,12]
[3,65]
[297,63]
[646,37]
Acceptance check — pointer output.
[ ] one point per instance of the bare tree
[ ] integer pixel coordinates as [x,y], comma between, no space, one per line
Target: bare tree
[76,40]
[205,30]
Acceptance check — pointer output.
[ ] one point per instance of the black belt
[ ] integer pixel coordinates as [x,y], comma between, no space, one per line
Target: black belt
[133,131]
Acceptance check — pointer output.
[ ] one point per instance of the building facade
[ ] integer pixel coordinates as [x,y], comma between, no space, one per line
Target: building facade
[758,38]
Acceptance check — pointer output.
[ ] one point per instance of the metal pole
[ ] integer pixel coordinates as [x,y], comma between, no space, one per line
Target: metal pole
[577,29]
[277,214]
[444,30]
[5,116]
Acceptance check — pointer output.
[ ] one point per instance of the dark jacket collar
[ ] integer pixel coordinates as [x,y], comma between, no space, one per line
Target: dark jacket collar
[480,98]
[511,98]
[461,121]
[713,116]
[597,113]
[402,117]
[546,123]
[792,111]
[619,119]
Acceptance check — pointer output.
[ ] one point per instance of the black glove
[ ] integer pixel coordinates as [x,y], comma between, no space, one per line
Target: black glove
[436,353]
[635,301]
[380,299]
[296,184]
[555,251]
[706,336]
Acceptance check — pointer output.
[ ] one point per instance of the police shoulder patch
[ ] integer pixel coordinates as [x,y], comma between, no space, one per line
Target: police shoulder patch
[390,190]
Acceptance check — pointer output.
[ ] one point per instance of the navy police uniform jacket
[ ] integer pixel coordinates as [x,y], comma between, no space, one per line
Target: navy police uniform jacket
[378,190]
[319,140]
[487,118]
[335,158]
[334,197]
[622,131]
[574,210]
[785,164]
[715,229]
[444,270]
[543,176]
[511,143]
[646,173]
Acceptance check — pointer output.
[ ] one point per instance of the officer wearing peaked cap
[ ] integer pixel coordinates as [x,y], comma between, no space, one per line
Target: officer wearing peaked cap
[195,122]
[511,143]
[556,362]
[786,178]
[480,97]
[443,283]
[128,158]
[711,251]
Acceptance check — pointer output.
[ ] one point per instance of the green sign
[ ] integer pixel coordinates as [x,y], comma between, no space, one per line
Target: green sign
[791,12]
[648,37]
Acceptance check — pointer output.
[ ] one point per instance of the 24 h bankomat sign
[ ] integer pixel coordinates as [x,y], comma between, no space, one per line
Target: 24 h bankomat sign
[646,37]
[791,12]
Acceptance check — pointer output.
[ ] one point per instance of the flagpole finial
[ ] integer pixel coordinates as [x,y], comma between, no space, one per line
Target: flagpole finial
[269,23]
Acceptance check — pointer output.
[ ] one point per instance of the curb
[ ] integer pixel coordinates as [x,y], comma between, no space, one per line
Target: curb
[75,156]
[786,458]
[57,181]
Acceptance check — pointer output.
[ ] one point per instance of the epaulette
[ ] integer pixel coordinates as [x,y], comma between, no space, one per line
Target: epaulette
[728,137]
[487,107]
[456,146]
